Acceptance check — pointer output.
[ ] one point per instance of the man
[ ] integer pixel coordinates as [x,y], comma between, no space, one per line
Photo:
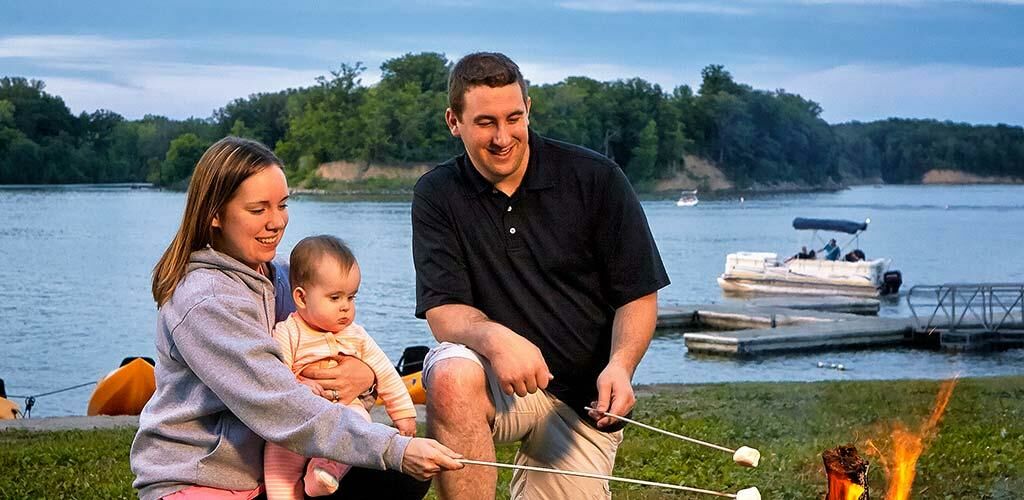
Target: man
[831,250]
[537,272]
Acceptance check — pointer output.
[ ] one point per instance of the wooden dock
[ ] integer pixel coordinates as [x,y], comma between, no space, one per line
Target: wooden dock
[819,335]
[783,324]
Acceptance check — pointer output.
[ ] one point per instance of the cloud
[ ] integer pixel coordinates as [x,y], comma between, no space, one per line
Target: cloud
[135,77]
[650,7]
[745,7]
[975,94]
[174,90]
[66,47]
[903,3]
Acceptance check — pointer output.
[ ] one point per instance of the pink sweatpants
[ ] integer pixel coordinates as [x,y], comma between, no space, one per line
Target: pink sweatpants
[283,469]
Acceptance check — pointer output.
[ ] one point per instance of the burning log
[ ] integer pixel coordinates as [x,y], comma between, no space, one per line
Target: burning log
[847,474]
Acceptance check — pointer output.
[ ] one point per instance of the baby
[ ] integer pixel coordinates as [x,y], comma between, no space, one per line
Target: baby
[324,279]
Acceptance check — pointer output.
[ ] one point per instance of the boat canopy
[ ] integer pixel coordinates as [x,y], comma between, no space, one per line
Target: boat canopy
[843,226]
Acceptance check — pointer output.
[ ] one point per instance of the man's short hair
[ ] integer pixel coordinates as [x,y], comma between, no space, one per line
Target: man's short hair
[310,251]
[492,69]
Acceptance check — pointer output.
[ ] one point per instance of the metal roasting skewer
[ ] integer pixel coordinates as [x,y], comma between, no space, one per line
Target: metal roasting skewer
[597,476]
[745,456]
[663,431]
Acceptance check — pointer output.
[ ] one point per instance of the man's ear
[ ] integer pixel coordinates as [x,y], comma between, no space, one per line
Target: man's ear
[529,103]
[299,296]
[452,121]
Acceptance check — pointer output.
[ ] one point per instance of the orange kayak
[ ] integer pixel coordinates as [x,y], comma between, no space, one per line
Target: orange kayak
[9,410]
[125,390]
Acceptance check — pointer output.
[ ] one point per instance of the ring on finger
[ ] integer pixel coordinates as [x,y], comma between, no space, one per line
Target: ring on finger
[334,395]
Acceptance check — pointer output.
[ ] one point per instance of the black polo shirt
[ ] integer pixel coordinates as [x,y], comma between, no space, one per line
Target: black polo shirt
[552,262]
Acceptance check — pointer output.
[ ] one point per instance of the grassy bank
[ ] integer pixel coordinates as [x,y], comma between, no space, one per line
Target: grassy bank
[978,452]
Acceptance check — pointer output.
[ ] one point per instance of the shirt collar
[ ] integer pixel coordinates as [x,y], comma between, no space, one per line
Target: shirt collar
[539,174]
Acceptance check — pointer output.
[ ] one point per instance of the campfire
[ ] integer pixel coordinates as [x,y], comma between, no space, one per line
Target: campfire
[847,474]
[847,471]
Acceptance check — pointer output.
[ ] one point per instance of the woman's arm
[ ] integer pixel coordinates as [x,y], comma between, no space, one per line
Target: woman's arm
[224,343]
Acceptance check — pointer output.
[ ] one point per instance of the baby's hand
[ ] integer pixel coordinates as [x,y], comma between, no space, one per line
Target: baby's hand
[406,426]
[313,386]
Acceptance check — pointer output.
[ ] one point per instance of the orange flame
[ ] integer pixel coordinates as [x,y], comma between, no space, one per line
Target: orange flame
[907,446]
[854,491]
[844,488]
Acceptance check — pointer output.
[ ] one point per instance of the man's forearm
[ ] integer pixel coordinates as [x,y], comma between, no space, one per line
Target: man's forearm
[632,331]
[467,325]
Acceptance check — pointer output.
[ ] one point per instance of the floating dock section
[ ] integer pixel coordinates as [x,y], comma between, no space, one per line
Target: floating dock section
[784,324]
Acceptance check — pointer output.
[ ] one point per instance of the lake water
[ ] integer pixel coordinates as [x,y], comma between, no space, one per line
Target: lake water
[75,268]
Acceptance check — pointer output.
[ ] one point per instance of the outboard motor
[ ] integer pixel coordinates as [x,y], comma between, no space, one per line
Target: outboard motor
[891,282]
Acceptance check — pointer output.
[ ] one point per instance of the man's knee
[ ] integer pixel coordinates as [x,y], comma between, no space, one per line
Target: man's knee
[456,385]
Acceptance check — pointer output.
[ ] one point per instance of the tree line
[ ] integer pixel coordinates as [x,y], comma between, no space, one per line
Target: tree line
[757,137]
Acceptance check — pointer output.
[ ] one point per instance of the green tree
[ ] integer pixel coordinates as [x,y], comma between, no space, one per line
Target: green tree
[264,117]
[182,156]
[427,71]
[644,155]
[323,121]
[715,79]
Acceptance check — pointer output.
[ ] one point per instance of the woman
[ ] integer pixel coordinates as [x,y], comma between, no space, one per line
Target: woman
[221,389]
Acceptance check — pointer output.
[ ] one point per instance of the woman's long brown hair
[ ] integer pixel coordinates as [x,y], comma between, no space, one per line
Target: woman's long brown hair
[223,167]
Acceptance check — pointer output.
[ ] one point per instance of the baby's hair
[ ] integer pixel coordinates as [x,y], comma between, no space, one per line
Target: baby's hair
[310,250]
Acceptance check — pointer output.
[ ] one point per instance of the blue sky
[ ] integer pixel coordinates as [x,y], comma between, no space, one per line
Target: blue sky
[860,59]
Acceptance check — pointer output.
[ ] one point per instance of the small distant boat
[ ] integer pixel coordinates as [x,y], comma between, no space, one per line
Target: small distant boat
[124,391]
[763,272]
[688,199]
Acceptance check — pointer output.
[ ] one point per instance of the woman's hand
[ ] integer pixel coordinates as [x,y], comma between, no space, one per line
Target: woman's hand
[425,458]
[406,426]
[351,377]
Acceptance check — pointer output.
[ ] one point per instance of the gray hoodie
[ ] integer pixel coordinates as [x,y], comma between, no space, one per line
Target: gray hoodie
[221,390]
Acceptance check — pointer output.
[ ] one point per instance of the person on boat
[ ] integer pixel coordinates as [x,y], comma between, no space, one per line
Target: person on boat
[325,277]
[537,272]
[802,255]
[222,390]
[831,250]
[856,255]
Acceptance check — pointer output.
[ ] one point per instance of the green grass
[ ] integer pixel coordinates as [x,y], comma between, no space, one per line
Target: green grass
[66,464]
[977,454]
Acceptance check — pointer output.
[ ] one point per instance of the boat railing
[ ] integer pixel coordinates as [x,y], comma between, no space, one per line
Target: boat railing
[952,306]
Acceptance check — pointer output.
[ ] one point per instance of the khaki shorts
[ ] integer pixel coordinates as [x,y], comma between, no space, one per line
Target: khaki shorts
[550,435]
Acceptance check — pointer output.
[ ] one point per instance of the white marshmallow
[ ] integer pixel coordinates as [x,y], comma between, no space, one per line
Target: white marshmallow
[748,494]
[746,456]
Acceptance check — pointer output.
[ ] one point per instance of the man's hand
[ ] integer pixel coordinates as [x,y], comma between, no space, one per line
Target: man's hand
[351,377]
[632,330]
[424,458]
[614,394]
[406,426]
[518,365]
